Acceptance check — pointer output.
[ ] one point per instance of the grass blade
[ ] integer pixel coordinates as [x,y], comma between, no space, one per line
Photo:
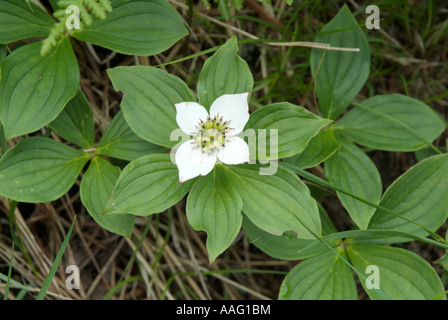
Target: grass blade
[54,267]
[9,273]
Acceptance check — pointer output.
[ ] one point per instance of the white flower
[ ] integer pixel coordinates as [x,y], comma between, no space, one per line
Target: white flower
[213,136]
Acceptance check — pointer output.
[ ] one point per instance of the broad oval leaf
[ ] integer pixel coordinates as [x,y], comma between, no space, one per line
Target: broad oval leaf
[402,275]
[391,122]
[291,125]
[23,19]
[214,205]
[287,246]
[149,95]
[278,202]
[120,142]
[321,147]
[96,186]
[223,73]
[39,169]
[34,89]
[138,27]
[323,277]
[419,195]
[340,75]
[75,122]
[147,185]
[352,170]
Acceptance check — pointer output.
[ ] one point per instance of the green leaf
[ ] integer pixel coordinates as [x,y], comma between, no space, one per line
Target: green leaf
[223,7]
[238,4]
[21,20]
[39,170]
[351,169]
[278,202]
[96,187]
[35,89]
[340,75]
[295,127]
[149,95]
[420,195]
[54,4]
[424,153]
[403,275]
[75,122]
[140,27]
[320,148]
[3,50]
[147,185]
[214,205]
[443,262]
[223,73]
[120,142]
[3,143]
[391,122]
[327,225]
[286,246]
[323,277]
[304,174]
[369,236]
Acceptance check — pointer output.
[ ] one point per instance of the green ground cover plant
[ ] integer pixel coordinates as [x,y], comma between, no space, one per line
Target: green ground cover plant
[114,118]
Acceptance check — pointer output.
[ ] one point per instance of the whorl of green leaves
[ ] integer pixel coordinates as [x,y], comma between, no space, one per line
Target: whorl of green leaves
[99,8]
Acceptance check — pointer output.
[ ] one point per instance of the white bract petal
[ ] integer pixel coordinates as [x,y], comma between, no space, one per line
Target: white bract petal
[213,136]
[232,108]
[189,115]
[235,151]
[192,162]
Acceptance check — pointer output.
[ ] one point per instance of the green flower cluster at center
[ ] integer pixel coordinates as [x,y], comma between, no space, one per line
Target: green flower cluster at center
[211,135]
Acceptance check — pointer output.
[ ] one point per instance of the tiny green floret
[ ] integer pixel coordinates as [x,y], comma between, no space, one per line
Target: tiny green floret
[211,134]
